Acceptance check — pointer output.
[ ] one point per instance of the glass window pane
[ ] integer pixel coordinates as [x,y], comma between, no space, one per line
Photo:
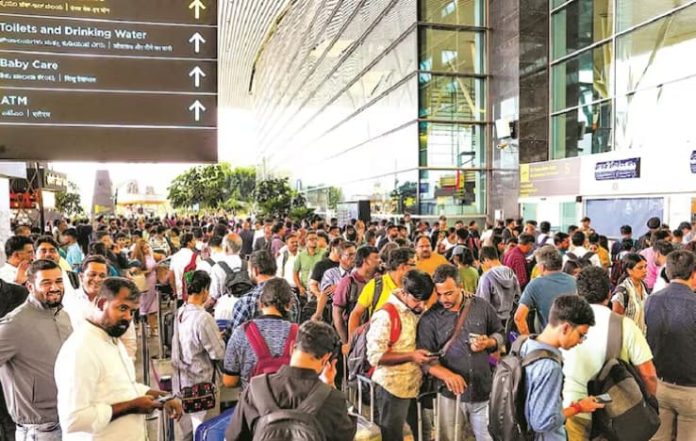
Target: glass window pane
[580,24]
[582,79]
[451,145]
[656,54]
[451,51]
[557,3]
[456,12]
[633,12]
[451,98]
[582,132]
[452,192]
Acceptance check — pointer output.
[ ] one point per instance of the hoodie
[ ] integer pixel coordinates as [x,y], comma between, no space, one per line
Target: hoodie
[499,286]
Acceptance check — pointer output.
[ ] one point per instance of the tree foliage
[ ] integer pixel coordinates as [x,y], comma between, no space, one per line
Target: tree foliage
[213,186]
[69,202]
[335,195]
[275,198]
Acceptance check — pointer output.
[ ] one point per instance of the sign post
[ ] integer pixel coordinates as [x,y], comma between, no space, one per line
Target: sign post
[121,80]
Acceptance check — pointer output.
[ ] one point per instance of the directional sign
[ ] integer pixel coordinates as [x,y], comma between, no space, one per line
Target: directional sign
[108,80]
[132,74]
[161,11]
[98,38]
[122,109]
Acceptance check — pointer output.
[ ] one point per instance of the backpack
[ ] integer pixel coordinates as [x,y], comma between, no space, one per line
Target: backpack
[633,414]
[74,279]
[189,269]
[583,261]
[266,363]
[358,366]
[508,395]
[299,424]
[617,271]
[237,281]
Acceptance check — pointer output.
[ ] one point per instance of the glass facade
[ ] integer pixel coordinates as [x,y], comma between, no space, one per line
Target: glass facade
[384,99]
[619,79]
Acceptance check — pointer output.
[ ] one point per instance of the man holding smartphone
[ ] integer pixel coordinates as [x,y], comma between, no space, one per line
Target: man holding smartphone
[583,362]
[463,367]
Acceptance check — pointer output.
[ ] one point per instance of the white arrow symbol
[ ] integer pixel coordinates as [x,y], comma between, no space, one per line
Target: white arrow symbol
[197,108]
[197,5]
[197,73]
[197,39]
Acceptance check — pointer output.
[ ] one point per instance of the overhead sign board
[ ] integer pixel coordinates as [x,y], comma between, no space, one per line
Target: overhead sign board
[551,178]
[108,75]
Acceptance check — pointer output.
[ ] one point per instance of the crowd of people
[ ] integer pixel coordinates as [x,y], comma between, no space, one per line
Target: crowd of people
[279,309]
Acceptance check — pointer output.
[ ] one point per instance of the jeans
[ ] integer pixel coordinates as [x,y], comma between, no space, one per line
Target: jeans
[475,413]
[391,412]
[677,412]
[38,432]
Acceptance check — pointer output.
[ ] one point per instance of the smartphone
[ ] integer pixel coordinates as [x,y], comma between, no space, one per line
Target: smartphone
[604,398]
[473,337]
[164,398]
[437,354]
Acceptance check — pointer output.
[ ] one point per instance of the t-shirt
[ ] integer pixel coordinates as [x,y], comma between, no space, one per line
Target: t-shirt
[542,291]
[470,278]
[430,264]
[305,263]
[368,293]
[585,360]
[321,267]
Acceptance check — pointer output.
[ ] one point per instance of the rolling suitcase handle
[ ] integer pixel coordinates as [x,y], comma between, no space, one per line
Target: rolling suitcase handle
[419,409]
[438,411]
[362,380]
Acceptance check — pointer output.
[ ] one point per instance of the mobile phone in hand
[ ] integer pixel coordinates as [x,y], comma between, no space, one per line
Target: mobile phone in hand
[604,399]
[164,398]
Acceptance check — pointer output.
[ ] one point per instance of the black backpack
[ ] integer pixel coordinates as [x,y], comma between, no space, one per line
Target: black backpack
[237,281]
[583,261]
[633,413]
[299,424]
[508,395]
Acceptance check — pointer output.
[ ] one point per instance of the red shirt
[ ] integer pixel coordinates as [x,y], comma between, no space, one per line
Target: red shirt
[516,261]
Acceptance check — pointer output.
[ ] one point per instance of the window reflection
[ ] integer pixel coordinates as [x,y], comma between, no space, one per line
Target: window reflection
[456,12]
[633,12]
[448,145]
[583,79]
[585,131]
[451,98]
[451,51]
[581,24]
[451,192]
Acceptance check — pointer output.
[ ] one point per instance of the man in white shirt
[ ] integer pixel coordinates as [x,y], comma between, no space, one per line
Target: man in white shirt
[578,249]
[216,254]
[179,261]
[80,303]
[231,245]
[19,251]
[98,397]
[583,362]
[286,259]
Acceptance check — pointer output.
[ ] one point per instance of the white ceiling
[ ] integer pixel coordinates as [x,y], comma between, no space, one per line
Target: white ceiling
[243,27]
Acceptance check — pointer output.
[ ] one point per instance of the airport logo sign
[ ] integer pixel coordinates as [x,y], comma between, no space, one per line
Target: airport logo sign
[620,169]
[693,162]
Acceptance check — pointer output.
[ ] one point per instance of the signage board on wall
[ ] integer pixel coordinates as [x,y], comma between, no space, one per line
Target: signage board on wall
[552,178]
[125,80]
[692,162]
[619,169]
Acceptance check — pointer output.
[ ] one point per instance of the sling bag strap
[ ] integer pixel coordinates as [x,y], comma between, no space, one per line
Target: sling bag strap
[615,337]
[379,283]
[459,327]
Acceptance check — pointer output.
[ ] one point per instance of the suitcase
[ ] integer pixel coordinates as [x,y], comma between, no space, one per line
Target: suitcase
[367,429]
[214,429]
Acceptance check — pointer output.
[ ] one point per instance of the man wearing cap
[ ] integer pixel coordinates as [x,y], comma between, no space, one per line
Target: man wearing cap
[654,224]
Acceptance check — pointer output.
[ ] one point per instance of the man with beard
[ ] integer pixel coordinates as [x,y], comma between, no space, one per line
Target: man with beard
[98,397]
[80,303]
[30,338]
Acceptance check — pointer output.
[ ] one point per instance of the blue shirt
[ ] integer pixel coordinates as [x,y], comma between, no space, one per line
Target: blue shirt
[74,255]
[670,315]
[543,406]
[542,291]
[247,307]
[240,358]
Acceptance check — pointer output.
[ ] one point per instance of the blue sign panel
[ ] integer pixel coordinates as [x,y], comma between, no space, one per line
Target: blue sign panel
[621,169]
[693,161]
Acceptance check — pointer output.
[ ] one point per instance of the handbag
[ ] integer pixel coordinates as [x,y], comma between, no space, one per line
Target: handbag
[200,396]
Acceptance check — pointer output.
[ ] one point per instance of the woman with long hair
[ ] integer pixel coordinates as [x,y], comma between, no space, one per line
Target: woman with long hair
[149,301]
[630,294]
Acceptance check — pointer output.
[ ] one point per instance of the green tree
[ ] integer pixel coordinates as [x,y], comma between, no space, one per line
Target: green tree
[213,186]
[335,195]
[69,202]
[275,198]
